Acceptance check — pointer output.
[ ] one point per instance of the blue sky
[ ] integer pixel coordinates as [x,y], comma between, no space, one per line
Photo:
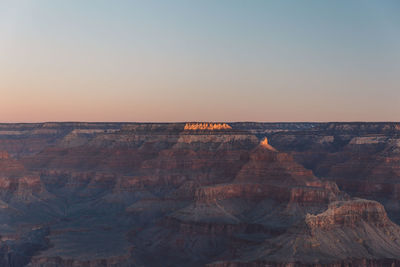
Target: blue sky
[199,60]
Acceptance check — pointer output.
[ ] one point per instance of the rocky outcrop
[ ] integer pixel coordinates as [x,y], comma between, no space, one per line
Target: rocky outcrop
[264,143]
[26,188]
[349,214]
[339,236]
[19,184]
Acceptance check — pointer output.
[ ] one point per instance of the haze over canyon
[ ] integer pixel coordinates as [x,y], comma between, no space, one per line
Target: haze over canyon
[200,194]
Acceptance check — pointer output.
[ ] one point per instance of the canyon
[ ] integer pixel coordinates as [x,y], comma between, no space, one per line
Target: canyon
[200,194]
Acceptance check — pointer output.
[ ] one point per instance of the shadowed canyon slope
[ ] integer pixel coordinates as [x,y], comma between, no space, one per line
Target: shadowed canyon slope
[199,194]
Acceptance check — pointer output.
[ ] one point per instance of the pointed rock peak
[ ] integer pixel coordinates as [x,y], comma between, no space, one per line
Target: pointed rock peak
[264,143]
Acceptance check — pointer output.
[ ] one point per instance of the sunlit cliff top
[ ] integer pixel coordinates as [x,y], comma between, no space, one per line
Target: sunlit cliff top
[207,126]
[264,143]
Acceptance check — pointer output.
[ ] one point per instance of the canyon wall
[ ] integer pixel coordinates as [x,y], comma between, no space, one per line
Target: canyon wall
[199,194]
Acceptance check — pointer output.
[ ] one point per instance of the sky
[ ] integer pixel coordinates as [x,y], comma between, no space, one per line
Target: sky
[205,60]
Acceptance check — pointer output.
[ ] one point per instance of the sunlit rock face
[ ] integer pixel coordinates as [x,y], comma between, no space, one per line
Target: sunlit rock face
[207,126]
[264,143]
[198,194]
[349,214]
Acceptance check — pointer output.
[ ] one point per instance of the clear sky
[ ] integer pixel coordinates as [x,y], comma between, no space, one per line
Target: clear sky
[205,60]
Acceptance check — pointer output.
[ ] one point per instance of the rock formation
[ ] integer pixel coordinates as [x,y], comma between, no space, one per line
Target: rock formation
[199,194]
[207,126]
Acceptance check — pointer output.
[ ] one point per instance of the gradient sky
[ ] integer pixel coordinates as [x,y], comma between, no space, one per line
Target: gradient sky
[205,60]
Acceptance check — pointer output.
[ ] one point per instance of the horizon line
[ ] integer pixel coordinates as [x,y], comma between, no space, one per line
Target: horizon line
[199,121]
